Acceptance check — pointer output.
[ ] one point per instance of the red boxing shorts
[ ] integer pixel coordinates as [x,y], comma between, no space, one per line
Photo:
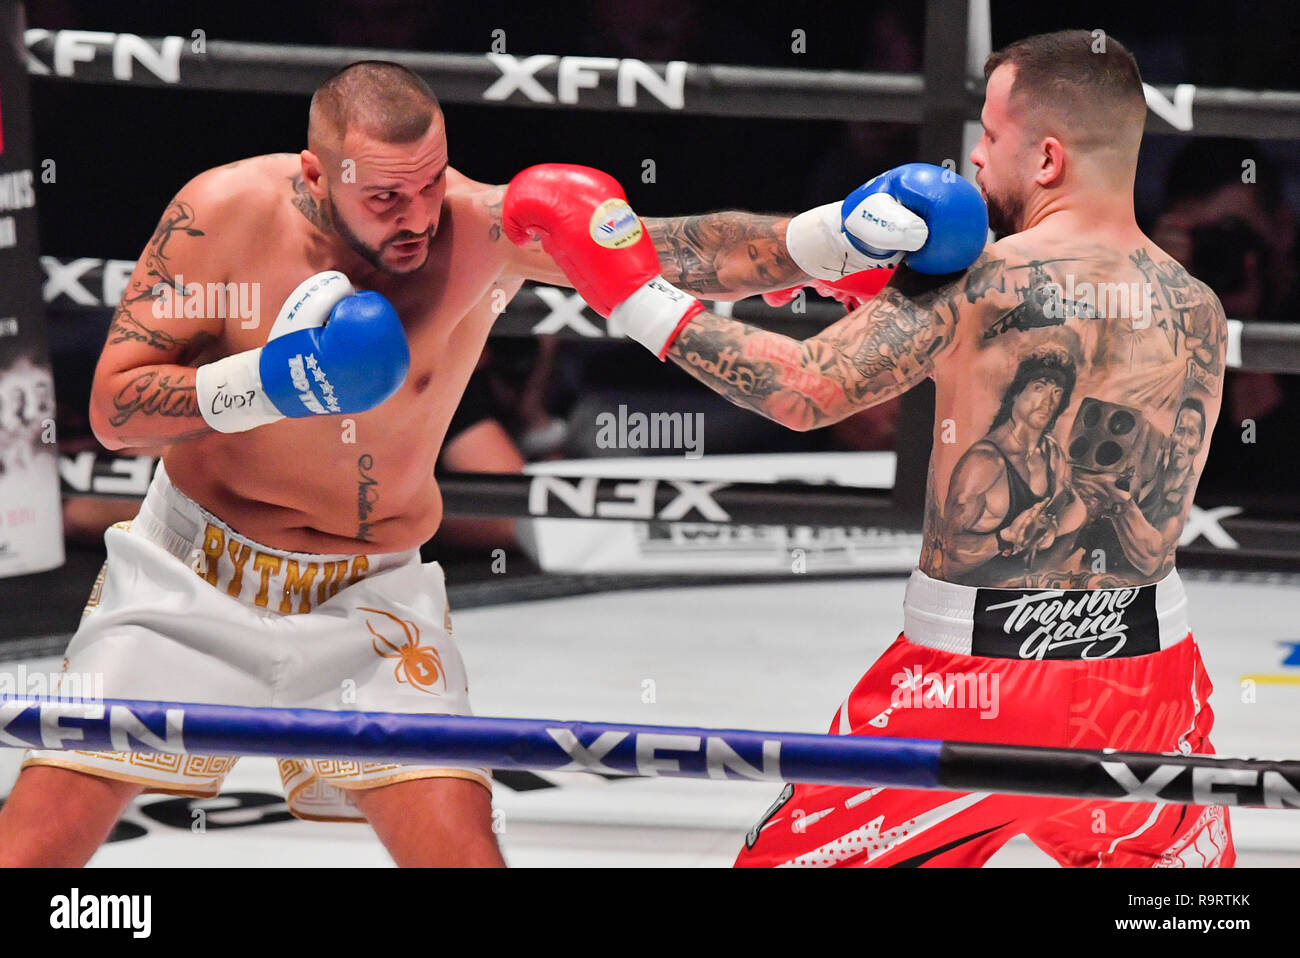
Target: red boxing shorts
[1107,668]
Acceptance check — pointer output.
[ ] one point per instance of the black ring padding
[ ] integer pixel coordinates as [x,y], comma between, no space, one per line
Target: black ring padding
[971,766]
[525,318]
[1265,347]
[1227,111]
[1262,540]
[675,500]
[710,90]
[1248,560]
[713,90]
[1270,347]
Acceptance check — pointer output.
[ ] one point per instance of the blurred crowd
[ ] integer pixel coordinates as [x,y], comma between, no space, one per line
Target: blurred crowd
[1224,208]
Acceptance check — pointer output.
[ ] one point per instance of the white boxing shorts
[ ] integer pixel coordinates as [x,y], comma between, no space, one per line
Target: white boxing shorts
[188,610]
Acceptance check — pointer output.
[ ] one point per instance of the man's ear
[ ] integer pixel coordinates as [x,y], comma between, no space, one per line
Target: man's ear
[313,173]
[1051,162]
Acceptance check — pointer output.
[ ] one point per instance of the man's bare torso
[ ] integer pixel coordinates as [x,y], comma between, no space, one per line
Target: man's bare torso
[332,484]
[1073,413]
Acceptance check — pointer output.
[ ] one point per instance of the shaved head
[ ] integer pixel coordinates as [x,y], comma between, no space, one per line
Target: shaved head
[1078,86]
[375,163]
[1063,117]
[384,101]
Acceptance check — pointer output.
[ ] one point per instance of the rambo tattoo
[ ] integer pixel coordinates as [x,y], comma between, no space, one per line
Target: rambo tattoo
[1083,488]
[1099,396]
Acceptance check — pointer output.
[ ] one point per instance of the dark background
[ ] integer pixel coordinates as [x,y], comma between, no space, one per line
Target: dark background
[123,152]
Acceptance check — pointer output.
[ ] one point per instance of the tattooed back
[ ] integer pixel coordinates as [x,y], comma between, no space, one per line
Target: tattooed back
[1077,385]
[238,239]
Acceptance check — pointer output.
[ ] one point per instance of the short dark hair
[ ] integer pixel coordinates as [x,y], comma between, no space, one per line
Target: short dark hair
[1086,81]
[1196,406]
[385,99]
[1051,363]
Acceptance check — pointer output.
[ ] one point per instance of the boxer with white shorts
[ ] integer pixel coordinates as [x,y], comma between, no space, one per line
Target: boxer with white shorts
[275,562]
[186,609]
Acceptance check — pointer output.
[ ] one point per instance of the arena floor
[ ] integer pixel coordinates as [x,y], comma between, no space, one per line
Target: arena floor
[777,655]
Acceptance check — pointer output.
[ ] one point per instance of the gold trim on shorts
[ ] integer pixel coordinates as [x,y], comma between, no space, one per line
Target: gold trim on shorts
[291,795]
[152,785]
[465,773]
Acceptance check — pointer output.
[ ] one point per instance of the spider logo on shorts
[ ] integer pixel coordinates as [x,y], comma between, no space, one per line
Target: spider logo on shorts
[417,664]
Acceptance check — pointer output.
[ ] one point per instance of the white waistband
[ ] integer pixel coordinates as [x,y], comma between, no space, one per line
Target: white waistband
[942,615]
[180,525]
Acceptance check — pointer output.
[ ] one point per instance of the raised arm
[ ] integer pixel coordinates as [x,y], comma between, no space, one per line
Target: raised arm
[721,256]
[724,256]
[877,352]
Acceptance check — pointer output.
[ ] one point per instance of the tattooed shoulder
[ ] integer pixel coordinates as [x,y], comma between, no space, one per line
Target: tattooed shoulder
[306,204]
[492,202]
[157,275]
[1190,315]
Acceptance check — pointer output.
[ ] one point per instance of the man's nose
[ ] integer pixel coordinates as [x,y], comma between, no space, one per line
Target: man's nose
[421,215]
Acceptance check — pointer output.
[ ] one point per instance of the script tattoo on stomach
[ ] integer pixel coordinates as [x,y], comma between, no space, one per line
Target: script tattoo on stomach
[367,496]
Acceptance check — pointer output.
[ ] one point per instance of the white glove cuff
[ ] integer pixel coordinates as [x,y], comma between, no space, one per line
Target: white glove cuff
[230,393]
[816,242]
[654,315]
[311,303]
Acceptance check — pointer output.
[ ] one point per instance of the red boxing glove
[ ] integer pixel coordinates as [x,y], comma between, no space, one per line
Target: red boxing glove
[584,222]
[851,291]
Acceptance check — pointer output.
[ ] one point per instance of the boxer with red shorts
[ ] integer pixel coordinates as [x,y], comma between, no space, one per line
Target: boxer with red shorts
[1078,374]
[966,668]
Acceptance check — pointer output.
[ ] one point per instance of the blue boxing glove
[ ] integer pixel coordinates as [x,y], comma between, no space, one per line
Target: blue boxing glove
[330,351]
[953,211]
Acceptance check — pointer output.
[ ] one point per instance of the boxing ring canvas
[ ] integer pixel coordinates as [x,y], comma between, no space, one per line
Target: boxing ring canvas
[775,655]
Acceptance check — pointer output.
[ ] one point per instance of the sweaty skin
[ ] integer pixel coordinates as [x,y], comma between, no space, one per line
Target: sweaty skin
[1078,290]
[969,333]
[359,483]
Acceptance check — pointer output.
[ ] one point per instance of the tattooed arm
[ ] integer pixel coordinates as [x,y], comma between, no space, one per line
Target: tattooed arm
[1146,546]
[143,392]
[724,255]
[720,256]
[870,356]
[968,524]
